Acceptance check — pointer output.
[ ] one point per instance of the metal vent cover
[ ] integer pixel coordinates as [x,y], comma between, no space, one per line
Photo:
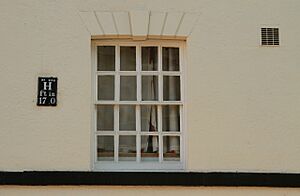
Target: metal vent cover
[270,36]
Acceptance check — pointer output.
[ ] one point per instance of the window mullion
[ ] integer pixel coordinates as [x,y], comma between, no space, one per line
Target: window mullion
[160,138]
[116,146]
[138,132]
[159,107]
[160,76]
[116,131]
[138,70]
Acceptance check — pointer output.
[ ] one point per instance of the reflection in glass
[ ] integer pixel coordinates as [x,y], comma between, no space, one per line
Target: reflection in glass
[105,118]
[149,118]
[106,58]
[149,88]
[171,148]
[106,88]
[127,148]
[128,88]
[171,118]
[149,148]
[170,59]
[149,58]
[127,58]
[105,148]
[171,88]
[127,118]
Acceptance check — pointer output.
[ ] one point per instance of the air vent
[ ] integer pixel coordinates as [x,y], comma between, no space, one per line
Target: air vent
[270,36]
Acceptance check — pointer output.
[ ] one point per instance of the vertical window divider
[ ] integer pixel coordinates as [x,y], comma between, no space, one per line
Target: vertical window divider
[138,70]
[159,107]
[117,74]
[116,146]
[116,131]
[117,106]
[160,75]
[138,130]
[160,137]
[139,99]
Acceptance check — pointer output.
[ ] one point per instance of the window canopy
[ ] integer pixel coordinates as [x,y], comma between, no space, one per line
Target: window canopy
[139,25]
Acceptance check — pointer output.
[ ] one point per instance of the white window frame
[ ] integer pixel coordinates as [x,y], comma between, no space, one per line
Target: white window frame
[138,165]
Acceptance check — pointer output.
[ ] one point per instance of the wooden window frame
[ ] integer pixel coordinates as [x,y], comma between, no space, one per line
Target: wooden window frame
[138,165]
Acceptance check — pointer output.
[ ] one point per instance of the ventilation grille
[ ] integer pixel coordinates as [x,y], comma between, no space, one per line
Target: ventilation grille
[270,36]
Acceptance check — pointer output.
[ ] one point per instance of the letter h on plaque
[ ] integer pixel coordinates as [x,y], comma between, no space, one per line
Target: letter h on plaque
[47,91]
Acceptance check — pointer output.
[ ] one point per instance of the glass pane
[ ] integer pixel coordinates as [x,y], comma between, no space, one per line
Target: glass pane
[149,58]
[170,118]
[171,88]
[106,58]
[170,59]
[105,118]
[105,148]
[149,148]
[127,148]
[106,87]
[149,88]
[127,61]
[149,118]
[127,118]
[171,148]
[128,88]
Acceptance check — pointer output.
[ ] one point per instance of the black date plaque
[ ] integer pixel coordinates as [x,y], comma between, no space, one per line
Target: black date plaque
[47,91]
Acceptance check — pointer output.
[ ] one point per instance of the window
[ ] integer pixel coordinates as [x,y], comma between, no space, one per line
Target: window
[269,36]
[138,105]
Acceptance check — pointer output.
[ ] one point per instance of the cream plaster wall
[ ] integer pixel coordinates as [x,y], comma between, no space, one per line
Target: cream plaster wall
[146,191]
[243,100]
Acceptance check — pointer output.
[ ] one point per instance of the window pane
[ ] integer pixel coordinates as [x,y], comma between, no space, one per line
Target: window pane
[149,148]
[170,59]
[171,118]
[128,88]
[149,58]
[127,148]
[106,87]
[171,148]
[105,148]
[149,118]
[127,58]
[149,88]
[127,118]
[106,58]
[105,118]
[171,88]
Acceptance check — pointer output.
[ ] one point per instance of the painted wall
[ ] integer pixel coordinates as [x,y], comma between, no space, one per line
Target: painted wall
[106,190]
[243,103]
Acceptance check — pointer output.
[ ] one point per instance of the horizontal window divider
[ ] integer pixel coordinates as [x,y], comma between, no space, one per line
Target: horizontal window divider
[105,133]
[171,73]
[150,73]
[173,133]
[105,73]
[149,133]
[127,132]
[127,73]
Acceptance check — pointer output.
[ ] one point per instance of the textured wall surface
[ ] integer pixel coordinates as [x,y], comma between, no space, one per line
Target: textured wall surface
[147,191]
[243,100]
